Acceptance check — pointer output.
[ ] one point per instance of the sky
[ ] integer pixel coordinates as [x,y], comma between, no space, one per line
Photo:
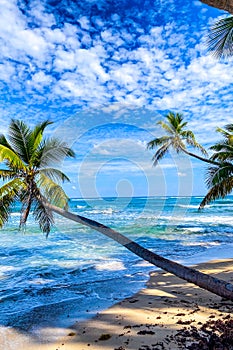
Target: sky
[105,72]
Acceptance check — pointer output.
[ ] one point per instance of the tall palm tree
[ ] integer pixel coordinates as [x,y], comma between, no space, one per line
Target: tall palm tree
[30,173]
[177,137]
[32,179]
[220,178]
[220,38]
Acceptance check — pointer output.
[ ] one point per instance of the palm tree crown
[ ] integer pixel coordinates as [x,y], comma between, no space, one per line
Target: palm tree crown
[29,175]
[220,38]
[220,177]
[177,137]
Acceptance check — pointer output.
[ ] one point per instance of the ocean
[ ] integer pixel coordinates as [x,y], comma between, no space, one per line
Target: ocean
[76,272]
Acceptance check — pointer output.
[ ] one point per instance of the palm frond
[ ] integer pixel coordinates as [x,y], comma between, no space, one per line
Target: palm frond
[5,205]
[218,146]
[223,156]
[181,126]
[35,138]
[166,127]
[7,174]
[175,121]
[12,187]
[160,153]
[19,135]
[9,193]
[13,160]
[219,173]
[53,152]
[220,39]
[43,215]
[4,142]
[225,133]
[158,142]
[220,190]
[189,137]
[54,175]
[229,128]
[52,191]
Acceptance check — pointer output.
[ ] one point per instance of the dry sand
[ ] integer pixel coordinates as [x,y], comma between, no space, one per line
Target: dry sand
[149,320]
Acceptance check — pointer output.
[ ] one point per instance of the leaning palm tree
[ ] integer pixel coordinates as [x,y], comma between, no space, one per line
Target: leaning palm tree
[220,38]
[177,137]
[32,179]
[220,178]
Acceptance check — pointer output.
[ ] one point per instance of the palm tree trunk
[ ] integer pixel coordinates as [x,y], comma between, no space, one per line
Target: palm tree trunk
[26,212]
[226,5]
[206,160]
[210,283]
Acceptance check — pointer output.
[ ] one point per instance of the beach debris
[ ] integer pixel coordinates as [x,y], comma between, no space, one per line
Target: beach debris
[157,346]
[180,314]
[145,331]
[71,334]
[185,322]
[212,335]
[104,336]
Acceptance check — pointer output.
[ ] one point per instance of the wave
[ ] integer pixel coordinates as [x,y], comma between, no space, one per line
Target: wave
[81,206]
[190,206]
[107,211]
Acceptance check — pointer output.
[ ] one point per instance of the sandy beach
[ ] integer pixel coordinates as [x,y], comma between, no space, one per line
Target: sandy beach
[167,314]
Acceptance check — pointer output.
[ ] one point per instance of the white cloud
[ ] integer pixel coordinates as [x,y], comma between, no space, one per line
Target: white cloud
[115,62]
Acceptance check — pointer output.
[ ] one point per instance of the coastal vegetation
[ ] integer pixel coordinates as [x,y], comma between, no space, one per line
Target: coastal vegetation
[220,177]
[220,38]
[220,173]
[177,138]
[31,177]
[29,174]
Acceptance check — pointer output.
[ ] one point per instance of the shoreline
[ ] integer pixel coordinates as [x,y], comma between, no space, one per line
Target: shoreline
[152,316]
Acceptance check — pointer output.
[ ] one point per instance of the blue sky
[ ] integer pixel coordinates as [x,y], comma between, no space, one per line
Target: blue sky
[105,72]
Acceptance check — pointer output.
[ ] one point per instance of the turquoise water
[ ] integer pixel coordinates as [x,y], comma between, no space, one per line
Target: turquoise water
[76,271]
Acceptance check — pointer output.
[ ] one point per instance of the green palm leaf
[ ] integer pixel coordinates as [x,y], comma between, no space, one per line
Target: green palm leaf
[220,190]
[9,192]
[217,174]
[13,160]
[19,134]
[4,142]
[168,128]
[220,178]
[220,38]
[7,174]
[35,138]
[160,153]
[54,175]
[43,215]
[224,155]
[52,191]
[224,148]
[158,142]
[52,152]
[190,139]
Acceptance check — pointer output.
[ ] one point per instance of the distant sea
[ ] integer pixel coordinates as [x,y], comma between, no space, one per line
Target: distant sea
[76,272]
